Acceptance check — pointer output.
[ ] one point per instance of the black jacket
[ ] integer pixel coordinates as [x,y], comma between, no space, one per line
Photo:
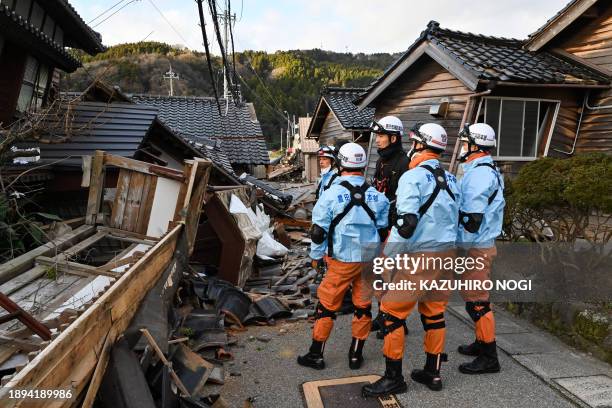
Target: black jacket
[392,163]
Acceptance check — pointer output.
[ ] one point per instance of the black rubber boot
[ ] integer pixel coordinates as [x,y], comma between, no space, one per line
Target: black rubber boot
[486,362]
[430,374]
[314,357]
[355,356]
[472,349]
[391,383]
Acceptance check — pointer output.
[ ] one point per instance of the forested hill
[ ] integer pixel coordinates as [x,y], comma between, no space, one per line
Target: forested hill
[284,80]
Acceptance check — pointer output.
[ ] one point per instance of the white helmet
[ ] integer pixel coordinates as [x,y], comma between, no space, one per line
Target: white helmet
[478,134]
[352,156]
[389,125]
[431,135]
[327,151]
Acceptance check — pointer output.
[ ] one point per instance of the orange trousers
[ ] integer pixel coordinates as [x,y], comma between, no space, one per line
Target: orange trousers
[485,326]
[431,306]
[338,278]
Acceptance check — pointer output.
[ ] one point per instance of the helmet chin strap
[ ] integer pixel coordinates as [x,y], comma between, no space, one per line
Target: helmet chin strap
[463,157]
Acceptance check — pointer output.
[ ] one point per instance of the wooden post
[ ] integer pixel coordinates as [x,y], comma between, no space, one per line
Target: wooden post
[96,186]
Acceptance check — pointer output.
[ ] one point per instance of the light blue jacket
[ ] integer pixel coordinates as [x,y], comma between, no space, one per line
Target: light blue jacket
[325,178]
[477,185]
[355,238]
[437,228]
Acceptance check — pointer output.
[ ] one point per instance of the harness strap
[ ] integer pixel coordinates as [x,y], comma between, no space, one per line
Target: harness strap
[435,325]
[496,172]
[359,312]
[396,323]
[470,307]
[357,199]
[440,179]
[321,312]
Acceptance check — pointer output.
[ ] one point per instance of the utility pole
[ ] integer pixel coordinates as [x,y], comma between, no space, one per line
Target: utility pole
[227,20]
[171,75]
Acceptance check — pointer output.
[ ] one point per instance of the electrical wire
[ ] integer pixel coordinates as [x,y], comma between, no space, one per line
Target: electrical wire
[116,11]
[205,38]
[215,17]
[229,16]
[105,11]
[169,23]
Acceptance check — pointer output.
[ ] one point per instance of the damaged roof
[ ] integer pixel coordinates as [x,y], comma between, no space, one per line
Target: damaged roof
[474,58]
[79,129]
[240,133]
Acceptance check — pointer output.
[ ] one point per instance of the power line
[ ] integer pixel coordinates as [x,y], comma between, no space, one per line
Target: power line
[105,11]
[205,39]
[116,11]
[169,23]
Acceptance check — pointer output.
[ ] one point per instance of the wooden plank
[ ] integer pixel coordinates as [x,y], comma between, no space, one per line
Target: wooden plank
[194,206]
[98,374]
[117,233]
[74,268]
[123,187]
[86,166]
[72,356]
[22,263]
[22,280]
[96,186]
[311,388]
[146,204]
[130,216]
[189,172]
[143,167]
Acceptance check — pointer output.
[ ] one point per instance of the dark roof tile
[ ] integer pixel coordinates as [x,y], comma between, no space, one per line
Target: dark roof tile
[198,117]
[341,102]
[500,59]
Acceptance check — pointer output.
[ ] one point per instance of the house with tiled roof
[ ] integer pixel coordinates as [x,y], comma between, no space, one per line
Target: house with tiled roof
[537,93]
[196,118]
[34,37]
[336,117]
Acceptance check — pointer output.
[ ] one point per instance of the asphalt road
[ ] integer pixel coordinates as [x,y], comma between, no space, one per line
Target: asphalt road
[267,372]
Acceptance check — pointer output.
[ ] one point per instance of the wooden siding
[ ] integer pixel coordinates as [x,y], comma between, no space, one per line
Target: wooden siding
[410,97]
[593,43]
[332,131]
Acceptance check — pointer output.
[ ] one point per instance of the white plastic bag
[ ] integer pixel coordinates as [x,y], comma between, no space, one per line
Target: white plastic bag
[268,246]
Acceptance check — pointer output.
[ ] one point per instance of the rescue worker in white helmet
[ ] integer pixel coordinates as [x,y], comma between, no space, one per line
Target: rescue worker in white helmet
[391,164]
[426,227]
[327,160]
[481,214]
[347,220]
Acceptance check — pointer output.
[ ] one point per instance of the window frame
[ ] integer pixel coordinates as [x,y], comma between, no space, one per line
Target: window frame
[548,136]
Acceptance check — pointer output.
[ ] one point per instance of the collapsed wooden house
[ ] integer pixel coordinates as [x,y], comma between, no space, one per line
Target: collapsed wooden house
[545,96]
[86,286]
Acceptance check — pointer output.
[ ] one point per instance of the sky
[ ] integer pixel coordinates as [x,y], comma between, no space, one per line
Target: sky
[337,25]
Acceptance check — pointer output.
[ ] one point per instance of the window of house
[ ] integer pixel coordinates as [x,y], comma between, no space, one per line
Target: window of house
[521,125]
[34,85]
